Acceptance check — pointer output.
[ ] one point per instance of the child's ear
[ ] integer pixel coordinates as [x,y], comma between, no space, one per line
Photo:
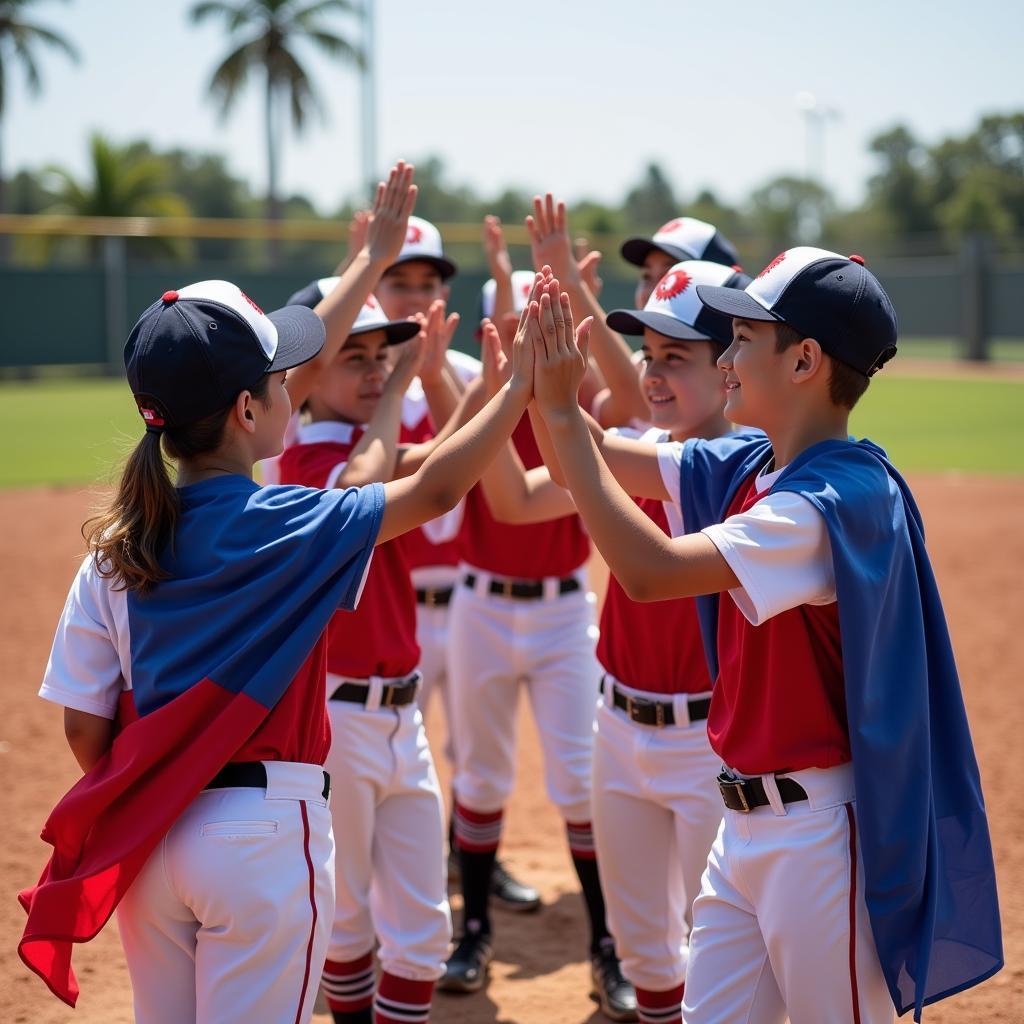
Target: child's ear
[809,358]
[243,411]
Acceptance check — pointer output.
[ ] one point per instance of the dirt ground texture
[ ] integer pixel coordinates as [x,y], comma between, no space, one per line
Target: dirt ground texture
[540,974]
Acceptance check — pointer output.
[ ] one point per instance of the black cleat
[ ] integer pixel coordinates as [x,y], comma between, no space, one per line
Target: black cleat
[466,969]
[615,994]
[511,893]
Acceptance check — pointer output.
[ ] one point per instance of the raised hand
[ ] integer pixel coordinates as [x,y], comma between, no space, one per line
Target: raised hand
[407,365]
[549,237]
[587,266]
[560,353]
[495,248]
[437,332]
[497,367]
[389,220]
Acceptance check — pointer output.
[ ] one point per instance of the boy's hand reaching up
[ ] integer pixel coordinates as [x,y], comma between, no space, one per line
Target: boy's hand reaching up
[560,353]
[389,221]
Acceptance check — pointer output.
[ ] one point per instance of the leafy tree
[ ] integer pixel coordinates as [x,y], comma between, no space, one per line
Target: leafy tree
[20,39]
[788,209]
[651,202]
[119,184]
[265,35]
[901,188]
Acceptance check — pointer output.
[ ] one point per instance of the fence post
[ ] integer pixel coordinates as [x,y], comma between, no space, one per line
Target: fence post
[115,299]
[974,254]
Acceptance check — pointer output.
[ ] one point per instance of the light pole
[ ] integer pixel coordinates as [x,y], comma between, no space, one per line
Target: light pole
[369,98]
[816,117]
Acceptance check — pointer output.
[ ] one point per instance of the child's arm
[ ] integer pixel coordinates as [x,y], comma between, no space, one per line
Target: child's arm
[649,565]
[438,388]
[550,241]
[500,265]
[458,461]
[515,494]
[88,736]
[633,462]
[373,458]
[384,238]
[357,228]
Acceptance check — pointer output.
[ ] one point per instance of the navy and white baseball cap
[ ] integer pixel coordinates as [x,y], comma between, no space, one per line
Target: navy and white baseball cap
[684,238]
[371,318]
[834,299]
[522,285]
[674,308]
[423,242]
[311,295]
[196,348]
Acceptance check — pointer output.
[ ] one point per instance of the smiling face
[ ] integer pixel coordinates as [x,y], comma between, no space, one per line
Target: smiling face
[656,265]
[409,288]
[681,383]
[350,388]
[757,375]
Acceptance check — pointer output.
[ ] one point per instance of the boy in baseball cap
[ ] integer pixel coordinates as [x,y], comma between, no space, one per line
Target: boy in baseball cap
[838,886]
[682,238]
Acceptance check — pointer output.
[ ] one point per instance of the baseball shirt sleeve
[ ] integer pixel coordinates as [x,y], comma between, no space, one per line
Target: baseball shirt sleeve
[85,670]
[780,552]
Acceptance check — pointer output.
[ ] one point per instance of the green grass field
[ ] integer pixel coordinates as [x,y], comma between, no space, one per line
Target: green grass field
[76,431]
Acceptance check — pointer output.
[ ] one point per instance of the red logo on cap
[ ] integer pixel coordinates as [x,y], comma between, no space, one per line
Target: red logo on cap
[151,416]
[413,235]
[674,283]
[251,303]
[774,263]
[672,225]
[527,288]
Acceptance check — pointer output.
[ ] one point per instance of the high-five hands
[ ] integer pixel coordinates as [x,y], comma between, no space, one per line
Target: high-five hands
[389,220]
[560,351]
[436,333]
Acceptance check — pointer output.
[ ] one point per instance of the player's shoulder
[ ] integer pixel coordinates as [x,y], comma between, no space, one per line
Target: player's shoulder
[650,435]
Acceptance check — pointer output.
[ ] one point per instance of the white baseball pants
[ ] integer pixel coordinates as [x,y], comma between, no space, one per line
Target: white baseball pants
[229,918]
[656,812]
[497,643]
[780,926]
[389,824]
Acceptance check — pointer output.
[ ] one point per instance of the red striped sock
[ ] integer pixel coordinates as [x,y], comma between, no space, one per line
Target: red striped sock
[348,986]
[660,1007]
[401,1001]
[477,831]
[581,839]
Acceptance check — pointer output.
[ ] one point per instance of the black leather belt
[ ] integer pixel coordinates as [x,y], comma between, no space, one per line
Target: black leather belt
[392,695]
[746,794]
[657,712]
[250,774]
[437,597]
[524,590]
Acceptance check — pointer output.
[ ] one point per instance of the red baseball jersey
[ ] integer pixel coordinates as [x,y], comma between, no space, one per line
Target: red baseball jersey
[531,552]
[656,645]
[779,702]
[379,637]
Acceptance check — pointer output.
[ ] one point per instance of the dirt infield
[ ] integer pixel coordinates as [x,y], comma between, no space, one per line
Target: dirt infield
[540,975]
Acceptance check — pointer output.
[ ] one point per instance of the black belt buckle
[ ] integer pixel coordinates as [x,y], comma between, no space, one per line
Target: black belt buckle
[434,597]
[638,708]
[737,789]
[503,587]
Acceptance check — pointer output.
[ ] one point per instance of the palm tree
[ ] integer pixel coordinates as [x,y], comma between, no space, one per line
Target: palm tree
[19,40]
[264,36]
[119,183]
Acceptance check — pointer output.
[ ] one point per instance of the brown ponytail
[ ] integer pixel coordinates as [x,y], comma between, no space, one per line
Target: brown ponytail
[126,537]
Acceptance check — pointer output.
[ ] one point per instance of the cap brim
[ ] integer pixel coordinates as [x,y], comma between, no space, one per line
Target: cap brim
[733,302]
[632,321]
[395,331]
[300,336]
[444,266]
[636,250]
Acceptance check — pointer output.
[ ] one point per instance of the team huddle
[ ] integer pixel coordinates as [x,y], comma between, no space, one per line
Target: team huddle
[760,751]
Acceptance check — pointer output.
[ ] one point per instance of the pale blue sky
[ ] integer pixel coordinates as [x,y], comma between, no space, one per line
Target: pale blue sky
[564,94]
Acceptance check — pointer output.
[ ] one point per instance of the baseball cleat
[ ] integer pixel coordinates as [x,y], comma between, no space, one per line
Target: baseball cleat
[512,894]
[466,969]
[615,994]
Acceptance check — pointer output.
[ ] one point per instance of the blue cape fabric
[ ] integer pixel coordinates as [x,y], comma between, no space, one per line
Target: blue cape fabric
[929,875]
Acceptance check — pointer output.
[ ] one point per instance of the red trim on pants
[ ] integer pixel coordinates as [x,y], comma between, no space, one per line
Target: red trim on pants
[853,912]
[312,904]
